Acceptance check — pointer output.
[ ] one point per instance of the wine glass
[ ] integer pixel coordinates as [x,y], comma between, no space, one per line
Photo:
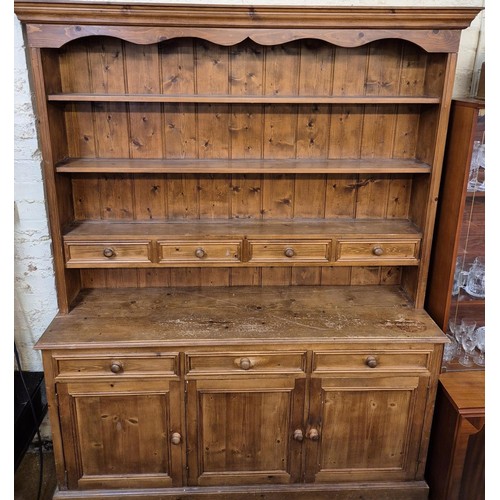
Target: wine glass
[450,350]
[480,358]
[469,341]
[457,276]
[455,327]
[475,163]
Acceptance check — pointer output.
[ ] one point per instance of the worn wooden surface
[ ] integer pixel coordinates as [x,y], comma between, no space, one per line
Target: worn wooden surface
[415,490]
[225,315]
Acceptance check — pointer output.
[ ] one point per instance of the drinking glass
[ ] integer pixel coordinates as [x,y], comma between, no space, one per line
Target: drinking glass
[476,286]
[457,281]
[450,350]
[469,341]
[480,359]
[476,160]
[455,327]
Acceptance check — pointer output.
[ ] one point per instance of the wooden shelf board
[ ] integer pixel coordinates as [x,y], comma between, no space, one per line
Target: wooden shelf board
[476,194]
[240,228]
[467,300]
[233,166]
[242,99]
[118,318]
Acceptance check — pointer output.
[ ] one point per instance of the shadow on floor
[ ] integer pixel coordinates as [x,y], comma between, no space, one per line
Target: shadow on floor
[26,477]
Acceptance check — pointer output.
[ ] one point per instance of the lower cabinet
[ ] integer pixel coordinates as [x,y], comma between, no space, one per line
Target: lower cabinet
[245,431]
[368,428]
[121,434]
[241,418]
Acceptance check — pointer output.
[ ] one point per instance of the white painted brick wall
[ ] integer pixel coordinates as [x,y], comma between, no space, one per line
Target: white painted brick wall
[35,296]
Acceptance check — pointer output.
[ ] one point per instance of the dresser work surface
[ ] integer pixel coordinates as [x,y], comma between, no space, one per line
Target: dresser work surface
[221,315]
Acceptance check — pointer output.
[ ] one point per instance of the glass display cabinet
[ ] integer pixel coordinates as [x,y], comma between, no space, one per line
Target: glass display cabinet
[456,287]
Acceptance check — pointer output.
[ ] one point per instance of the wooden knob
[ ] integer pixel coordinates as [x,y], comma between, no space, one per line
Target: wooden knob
[200,253]
[378,251]
[116,367]
[289,252]
[175,438]
[298,435]
[371,361]
[313,434]
[245,364]
[108,252]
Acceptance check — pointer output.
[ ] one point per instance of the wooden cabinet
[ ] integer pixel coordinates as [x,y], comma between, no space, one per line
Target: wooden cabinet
[122,411]
[241,203]
[368,411]
[456,463]
[456,466]
[459,240]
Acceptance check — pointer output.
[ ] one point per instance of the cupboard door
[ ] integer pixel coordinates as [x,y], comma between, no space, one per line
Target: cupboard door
[242,431]
[121,434]
[364,428]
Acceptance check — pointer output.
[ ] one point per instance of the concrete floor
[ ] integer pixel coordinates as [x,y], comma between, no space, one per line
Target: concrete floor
[26,478]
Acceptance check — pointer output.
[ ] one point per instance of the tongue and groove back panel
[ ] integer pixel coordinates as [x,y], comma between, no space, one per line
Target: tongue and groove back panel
[323,126]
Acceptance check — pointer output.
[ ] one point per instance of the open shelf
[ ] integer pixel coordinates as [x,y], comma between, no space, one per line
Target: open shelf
[242,99]
[200,229]
[222,166]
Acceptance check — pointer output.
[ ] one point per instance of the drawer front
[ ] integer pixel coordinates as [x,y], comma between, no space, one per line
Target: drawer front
[107,254]
[290,251]
[245,363]
[118,365]
[370,361]
[192,252]
[374,251]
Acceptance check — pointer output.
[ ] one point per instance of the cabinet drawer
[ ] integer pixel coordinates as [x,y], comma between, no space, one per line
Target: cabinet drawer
[366,360]
[118,365]
[194,252]
[107,254]
[289,250]
[377,251]
[245,363]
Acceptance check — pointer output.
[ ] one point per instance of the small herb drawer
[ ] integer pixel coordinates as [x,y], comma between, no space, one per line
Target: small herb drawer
[108,254]
[377,252]
[197,253]
[289,251]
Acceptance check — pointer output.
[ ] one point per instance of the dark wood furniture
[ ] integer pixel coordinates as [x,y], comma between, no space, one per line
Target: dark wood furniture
[200,164]
[460,223]
[456,463]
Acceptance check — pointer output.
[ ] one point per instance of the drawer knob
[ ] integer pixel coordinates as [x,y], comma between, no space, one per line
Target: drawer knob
[313,434]
[200,253]
[289,252]
[298,435]
[116,367]
[378,251]
[245,364]
[175,438]
[108,252]
[371,362]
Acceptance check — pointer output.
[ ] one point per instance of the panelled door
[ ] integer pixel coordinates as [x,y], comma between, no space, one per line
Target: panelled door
[365,427]
[122,434]
[241,431]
